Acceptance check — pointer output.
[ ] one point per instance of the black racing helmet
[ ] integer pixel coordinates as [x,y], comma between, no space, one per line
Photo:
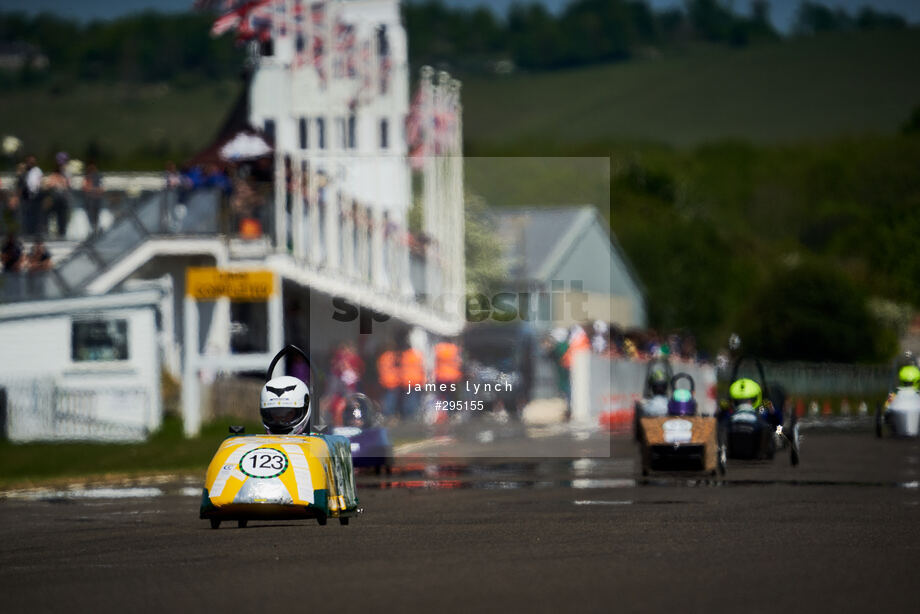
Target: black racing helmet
[658,379]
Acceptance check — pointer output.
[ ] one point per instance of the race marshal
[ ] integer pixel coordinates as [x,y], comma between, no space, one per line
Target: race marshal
[211,283]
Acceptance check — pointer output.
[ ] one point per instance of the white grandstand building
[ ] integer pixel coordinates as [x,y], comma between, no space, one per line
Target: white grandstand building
[329,97]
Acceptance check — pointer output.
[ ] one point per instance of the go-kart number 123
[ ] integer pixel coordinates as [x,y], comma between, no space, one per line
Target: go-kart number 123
[263,463]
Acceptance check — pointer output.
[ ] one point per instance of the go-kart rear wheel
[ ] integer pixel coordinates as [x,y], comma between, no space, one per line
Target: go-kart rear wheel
[321,520]
[242,523]
[343,520]
[215,523]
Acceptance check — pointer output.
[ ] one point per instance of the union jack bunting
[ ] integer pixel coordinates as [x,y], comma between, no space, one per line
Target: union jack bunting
[432,124]
[237,15]
[318,46]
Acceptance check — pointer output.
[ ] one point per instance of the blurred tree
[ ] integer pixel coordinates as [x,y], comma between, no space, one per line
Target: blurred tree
[814,18]
[760,13]
[912,125]
[595,30]
[535,38]
[691,278]
[871,19]
[813,313]
[585,31]
[485,270]
[760,25]
[712,20]
[145,47]
[151,47]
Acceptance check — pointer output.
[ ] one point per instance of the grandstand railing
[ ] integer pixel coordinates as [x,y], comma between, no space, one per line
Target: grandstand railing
[203,213]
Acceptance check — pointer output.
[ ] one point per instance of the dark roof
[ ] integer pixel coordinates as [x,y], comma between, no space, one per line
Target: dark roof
[237,121]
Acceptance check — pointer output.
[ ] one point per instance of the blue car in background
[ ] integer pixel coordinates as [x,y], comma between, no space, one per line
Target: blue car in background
[362,425]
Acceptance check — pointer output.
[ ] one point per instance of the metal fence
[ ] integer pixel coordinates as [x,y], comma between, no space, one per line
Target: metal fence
[39,410]
[150,214]
[828,379]
[234,397]
[606,389]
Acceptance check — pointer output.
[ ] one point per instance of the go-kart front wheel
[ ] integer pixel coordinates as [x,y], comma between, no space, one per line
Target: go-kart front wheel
[242,523]
[343,520]
[215,523]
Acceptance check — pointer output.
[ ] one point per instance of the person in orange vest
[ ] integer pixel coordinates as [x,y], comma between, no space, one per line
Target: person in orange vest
[578,342]
[390,377]
[555,345]
[412,366]
[447,368]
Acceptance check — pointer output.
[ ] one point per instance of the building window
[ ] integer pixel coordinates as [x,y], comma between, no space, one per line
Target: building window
[269,129]
[351,132]
[341,137]
[304,142]
[384,134]
[383,43]
[98,340]
[321,133]
[248,327]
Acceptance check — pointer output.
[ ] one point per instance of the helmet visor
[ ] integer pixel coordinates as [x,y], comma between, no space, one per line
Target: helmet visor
[909,375]
[744,404]
[282,417]
[358,412]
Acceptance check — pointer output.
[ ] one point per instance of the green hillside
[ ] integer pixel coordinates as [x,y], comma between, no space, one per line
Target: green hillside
[811,88]
[125,127]
[807,89]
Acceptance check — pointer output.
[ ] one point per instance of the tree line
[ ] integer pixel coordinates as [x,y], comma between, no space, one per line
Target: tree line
[152,47]
[592,31]
[805,250]
[147,47]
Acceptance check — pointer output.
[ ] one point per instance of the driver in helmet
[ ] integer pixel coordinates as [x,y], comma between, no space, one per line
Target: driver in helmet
[657,388]
[358,412]
[682,402]
[909,376]
[285,406]
[747,396]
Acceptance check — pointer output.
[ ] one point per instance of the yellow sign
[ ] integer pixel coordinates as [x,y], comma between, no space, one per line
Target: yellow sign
[210,283]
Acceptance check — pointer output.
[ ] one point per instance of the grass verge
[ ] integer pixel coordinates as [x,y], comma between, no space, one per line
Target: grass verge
[25,464]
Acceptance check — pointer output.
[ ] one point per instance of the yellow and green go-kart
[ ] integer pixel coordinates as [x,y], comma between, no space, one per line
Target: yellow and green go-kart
[280,477]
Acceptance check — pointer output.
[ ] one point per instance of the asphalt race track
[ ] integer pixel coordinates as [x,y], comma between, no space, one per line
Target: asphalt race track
[840,533]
